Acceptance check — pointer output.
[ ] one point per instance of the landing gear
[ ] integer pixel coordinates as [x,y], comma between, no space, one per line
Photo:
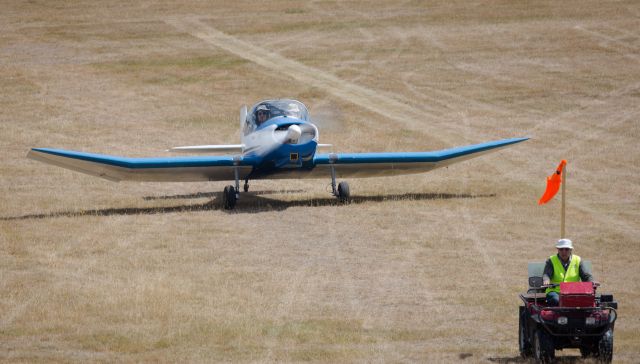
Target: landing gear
[246,185]
[231,194]
[229,198]
[342,192]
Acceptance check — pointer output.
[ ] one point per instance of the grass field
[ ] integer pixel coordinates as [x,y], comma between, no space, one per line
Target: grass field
[421,268]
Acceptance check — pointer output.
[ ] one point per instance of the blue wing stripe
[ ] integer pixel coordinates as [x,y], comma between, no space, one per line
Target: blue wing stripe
[414,157]
[144,163]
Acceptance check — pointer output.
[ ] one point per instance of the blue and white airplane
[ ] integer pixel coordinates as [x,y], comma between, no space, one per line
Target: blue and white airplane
[278,141]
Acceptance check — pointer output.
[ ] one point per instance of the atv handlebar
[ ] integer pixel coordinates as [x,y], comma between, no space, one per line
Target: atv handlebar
[551,285]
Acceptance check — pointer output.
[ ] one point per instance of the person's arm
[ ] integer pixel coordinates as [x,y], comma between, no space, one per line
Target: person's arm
[548,272]
[585,275]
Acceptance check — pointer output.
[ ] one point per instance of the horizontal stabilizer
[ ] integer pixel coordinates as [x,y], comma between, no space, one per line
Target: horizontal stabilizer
[229,148]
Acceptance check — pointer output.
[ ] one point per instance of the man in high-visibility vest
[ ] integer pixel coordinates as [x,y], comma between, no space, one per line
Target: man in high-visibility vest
[563,267]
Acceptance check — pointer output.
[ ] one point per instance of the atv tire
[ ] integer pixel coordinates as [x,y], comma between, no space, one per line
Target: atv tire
[543,348]
[523,341]
[605,347]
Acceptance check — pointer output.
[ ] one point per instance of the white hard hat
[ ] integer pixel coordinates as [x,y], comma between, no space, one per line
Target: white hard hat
[564,243]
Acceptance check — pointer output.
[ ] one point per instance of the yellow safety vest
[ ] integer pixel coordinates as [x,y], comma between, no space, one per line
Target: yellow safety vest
[572,274]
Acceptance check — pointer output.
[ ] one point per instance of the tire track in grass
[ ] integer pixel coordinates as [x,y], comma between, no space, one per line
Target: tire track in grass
[374,101]
[628,50]
[377,102]
[380,103]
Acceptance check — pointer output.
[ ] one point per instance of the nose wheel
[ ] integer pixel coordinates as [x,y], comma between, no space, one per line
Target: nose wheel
[229,198]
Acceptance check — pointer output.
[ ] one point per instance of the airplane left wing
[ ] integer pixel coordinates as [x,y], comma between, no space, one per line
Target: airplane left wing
[175,169]
[393,164]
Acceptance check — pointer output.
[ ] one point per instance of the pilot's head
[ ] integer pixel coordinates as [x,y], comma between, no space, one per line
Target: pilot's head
[262,114]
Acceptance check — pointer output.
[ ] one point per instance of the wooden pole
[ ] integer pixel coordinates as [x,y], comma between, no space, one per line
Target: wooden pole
[564,187]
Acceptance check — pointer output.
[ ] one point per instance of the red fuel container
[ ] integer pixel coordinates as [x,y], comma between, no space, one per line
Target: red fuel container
[577,294]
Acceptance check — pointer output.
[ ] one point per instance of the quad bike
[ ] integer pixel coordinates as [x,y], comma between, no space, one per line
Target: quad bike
[583,320]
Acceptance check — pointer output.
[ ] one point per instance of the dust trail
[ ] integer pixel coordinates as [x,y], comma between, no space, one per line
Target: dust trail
[373,101]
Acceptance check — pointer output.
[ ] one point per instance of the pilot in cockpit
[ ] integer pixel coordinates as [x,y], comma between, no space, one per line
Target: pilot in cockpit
[262,114]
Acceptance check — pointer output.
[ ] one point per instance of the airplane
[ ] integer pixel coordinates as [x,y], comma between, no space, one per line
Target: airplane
[278,141]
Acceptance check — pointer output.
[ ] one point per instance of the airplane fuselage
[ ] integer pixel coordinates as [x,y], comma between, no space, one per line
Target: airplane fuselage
[281,143]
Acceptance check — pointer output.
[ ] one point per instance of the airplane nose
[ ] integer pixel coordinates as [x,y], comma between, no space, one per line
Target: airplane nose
[293,134]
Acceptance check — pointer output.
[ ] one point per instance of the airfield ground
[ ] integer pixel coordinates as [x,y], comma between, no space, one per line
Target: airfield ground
[418,268]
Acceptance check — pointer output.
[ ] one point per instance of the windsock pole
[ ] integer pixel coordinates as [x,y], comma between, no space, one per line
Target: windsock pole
[562,214]
[559,177]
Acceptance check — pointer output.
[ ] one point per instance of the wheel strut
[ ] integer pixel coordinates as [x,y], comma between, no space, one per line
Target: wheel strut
[332,159]
[341,191]
[236,172]
[334,191]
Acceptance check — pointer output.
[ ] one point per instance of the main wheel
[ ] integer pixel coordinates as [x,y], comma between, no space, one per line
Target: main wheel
[605,347]
[523,341]
[343,191]
[543,349]
[229,198]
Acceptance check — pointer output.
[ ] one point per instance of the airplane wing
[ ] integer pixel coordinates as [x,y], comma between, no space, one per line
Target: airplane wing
[174,169]
[392,164]
[229,148]
[221,168]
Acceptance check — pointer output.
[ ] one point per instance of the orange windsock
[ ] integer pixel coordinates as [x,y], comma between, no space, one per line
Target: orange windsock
[553,184]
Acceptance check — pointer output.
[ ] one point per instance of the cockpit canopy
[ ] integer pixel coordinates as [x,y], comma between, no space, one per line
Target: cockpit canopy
[276,108]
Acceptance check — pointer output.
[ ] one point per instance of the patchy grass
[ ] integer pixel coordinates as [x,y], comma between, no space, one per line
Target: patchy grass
[417,268]
[172,71]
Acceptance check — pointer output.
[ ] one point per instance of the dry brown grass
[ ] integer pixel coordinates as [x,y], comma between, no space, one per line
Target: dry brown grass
[419,268]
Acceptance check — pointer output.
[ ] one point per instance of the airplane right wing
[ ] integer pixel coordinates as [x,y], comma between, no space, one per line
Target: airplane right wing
[163,169]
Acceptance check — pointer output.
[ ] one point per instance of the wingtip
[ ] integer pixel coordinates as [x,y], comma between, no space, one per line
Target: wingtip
[42,150]
[516,140]
[32,152]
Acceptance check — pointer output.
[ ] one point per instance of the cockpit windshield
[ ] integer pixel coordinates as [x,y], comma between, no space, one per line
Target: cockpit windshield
[265,110]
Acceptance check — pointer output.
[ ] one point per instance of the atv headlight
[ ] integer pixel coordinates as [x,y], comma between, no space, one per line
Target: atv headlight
[590,321]
[562,320]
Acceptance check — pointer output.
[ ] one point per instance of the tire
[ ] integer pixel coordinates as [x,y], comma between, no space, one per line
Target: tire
[343,192]
[543,349]
[229,198]
[523,341]
[605,347]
